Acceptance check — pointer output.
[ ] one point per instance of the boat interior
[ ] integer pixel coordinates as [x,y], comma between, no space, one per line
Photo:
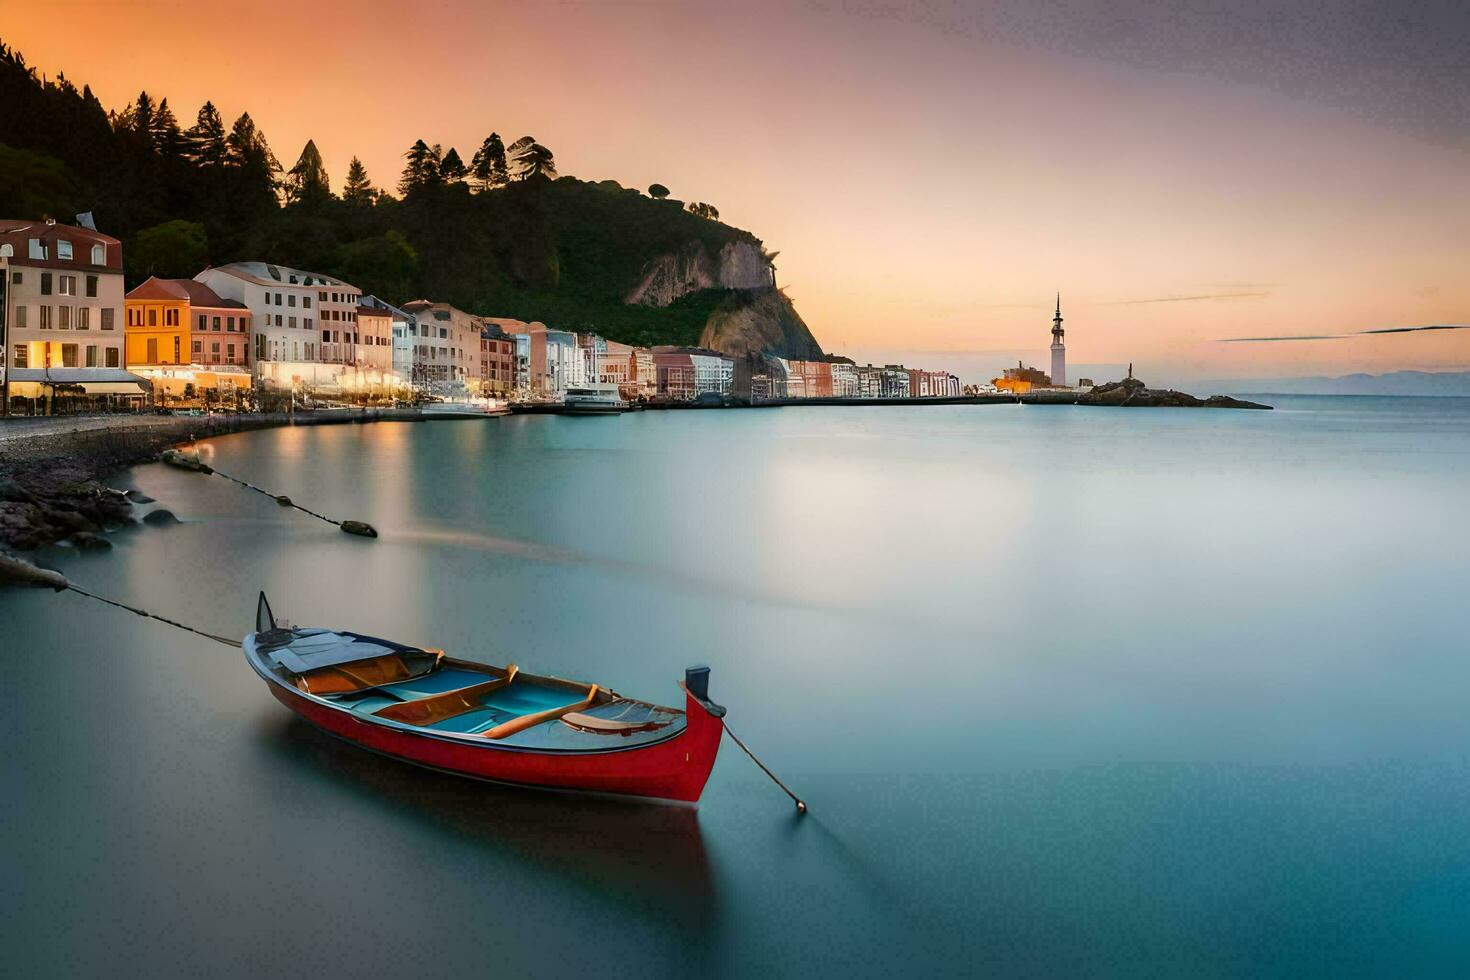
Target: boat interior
[423,688]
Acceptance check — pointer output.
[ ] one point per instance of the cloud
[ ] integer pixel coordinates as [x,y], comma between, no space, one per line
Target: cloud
[1187,299]
[1345,336]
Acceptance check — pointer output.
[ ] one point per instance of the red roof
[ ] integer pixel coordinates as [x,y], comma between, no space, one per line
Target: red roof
[196,293]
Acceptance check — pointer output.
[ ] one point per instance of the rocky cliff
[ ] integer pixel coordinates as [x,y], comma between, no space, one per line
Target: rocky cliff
[668,277]
[1132,393]
[760,321]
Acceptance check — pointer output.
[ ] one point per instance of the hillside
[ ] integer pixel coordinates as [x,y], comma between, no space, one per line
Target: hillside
[574,254]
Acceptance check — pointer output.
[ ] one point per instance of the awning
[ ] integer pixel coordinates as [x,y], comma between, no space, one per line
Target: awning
[76,376]
[113,388]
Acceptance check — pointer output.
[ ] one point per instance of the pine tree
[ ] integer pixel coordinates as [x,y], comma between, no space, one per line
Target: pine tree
[205,140]
[167,138]
[421,170]
[252,159]
[143,119]
[358,190]
[306,184]
[488,167]
[451,168]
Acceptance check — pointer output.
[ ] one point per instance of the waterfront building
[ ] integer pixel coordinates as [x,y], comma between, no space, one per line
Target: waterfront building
[337,305]
[183,336]
[675,374]
[816,378]
[405,327]
[714,373]
[869,381]
[372,349]
[1058,349]
[932,384]
[283,304]
[447,348]
[1021,379]
[63,311]
[894,382]
[497,361]
[555,361]
[844,380]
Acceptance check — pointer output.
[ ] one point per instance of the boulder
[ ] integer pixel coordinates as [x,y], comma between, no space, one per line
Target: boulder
[160,517]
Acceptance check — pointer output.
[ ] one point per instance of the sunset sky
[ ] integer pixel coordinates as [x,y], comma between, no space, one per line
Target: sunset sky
[931,173]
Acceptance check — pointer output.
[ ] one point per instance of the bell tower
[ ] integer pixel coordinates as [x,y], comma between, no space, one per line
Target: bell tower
[1058,348]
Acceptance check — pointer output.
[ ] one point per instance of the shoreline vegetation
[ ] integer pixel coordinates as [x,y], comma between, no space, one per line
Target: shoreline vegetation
[52,467]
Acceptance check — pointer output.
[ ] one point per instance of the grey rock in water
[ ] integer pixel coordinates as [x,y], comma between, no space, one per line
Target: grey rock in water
[87,541]
[138,497]
[160,517]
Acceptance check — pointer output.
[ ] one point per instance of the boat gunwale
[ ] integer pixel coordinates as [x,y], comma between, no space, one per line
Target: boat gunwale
[253,657]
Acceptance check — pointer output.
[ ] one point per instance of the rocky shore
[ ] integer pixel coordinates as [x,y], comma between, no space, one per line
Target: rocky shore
[50,473]
[1132,393]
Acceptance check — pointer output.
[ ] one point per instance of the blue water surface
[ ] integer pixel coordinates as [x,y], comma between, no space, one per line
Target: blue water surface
[1070,691]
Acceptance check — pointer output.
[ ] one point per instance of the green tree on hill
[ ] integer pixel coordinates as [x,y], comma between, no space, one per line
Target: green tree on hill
[306,184]
[488,166]
[358,190]
[451,168]
[167,139]
[421,170]
[205,140]
[702,210]
[173,250]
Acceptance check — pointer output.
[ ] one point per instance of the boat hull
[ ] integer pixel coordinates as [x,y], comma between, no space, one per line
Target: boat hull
[674,769]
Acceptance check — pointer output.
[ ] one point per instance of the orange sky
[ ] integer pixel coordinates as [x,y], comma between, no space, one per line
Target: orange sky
[929,183]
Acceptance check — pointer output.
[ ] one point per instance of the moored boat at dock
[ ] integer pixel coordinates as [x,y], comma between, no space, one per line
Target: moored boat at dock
[594,399]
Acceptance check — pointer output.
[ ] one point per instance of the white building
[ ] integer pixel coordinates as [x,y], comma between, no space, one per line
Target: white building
[844,381]
[713,374]
[446,350]
[284,308]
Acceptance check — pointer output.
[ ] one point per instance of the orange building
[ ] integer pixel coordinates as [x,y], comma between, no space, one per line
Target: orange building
[181,333]
[1021,379]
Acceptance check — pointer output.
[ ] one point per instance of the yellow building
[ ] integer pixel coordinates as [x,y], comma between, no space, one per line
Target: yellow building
[156,324]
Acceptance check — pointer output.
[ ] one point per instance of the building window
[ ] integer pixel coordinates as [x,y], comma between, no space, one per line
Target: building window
[22,355]
[107,317]
[91,355]
[67,285]
[214,324]
[45,323]
[84,317]
[230,324]
[306,322]
[20,317]
[291,300]
[260,347]
[112,357]
[37,248]
[63,317]
[176,348]
[99,255]
[63,249]
[152,355]
[229,353]
[199,347]
[292,322]
[69,355]
[16,277]
[214,349]
[45,284]
[171,318]
[7,250]
[279,320]
[306,302]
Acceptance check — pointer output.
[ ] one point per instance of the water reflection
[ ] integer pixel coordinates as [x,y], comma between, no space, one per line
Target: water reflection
[635,854]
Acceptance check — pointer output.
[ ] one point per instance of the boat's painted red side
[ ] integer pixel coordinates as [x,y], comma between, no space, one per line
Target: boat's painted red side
[674,769]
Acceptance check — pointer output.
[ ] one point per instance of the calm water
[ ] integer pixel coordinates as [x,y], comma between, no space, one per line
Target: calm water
[1070,691]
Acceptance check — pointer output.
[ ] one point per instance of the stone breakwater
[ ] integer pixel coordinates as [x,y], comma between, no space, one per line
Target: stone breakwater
[50,471]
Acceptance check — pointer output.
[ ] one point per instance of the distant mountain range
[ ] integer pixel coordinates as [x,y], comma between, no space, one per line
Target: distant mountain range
[1425,383]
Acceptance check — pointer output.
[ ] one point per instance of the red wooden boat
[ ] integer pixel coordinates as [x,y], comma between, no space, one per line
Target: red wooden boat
[495,723]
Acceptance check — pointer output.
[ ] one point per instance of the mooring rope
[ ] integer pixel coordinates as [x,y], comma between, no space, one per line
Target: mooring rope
[162,619]
[800,806]
[284,501]
[175,458]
